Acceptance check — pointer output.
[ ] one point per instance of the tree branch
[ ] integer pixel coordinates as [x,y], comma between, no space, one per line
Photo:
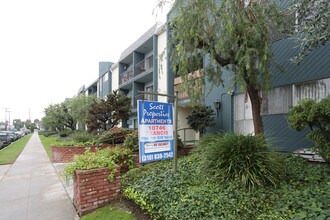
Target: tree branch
[222,61]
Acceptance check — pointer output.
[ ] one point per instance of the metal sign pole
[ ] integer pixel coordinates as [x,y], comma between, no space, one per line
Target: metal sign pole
[175,159]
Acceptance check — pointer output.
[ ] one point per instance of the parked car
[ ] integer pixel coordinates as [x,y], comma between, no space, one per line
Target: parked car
[19,134]
[12,135]
[5,139]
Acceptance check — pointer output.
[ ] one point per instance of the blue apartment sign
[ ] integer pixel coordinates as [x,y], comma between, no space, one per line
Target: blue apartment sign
[155,126]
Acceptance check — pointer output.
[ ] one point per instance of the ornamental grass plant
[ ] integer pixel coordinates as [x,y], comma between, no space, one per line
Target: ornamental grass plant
[244,159]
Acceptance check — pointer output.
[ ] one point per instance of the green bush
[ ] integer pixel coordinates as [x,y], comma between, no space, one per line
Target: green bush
[83,136]
[201,118]
[114,136]
[64,143]
[315,116]
[47,133]
[132,141]
[191,194]
[235,157]
[106,158]
[65,133]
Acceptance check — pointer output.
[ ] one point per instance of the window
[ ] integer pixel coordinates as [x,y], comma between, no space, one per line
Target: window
[148,96]
[277,101]
[243,122]
[316,90]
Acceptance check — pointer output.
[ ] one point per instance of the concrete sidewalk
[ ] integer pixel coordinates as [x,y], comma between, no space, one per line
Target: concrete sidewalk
[32,189]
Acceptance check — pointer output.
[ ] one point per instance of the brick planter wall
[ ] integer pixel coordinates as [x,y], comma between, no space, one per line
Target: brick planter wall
[91,189]
[64,154]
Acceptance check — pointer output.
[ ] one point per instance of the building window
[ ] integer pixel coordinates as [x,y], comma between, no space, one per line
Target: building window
[316,90]
[148,96]
[243,122]
[280,99]
[276,101]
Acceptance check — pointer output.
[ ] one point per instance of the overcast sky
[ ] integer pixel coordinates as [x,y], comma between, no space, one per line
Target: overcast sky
[50,48]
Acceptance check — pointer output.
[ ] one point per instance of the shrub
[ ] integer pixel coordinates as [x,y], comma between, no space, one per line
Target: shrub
[65,133]
[106,158]
[200,118]
[191,194]
[132,141]
[83,137]
[235,157]
[315,116]
[114,136]
[47,133]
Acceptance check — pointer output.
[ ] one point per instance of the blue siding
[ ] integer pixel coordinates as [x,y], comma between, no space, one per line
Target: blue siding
[315,66]
[281,136]
[224,118]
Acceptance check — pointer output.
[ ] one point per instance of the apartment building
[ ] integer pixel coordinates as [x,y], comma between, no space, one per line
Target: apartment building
[142,67]
[102,86]
[309,79]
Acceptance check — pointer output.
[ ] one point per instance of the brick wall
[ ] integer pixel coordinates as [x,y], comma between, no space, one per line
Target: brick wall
[91,189]
[64,154]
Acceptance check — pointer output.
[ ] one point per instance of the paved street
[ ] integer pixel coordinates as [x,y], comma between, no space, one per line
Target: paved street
[32,189]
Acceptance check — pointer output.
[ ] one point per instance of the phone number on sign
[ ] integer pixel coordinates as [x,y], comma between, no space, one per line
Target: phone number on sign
[158,156]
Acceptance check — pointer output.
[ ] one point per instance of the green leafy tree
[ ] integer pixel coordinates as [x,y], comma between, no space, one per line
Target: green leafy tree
[37,122]
[65,112]
[235,35]
[107,113]
[18,124]
[315,116]
[58,116]
[80,107]
[201,118]
[51,119]
[311,29]
[30,125]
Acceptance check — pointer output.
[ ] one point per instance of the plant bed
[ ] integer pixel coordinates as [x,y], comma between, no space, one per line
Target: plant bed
[96,177]
[93,189]
[195,192]
[65,154]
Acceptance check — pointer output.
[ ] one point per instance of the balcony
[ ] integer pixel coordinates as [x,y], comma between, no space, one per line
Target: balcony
[126,75]
[178,81]
[140,68]
[144,65]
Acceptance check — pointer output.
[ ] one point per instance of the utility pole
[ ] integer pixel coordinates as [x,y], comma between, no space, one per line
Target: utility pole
[6,110]
[8,120]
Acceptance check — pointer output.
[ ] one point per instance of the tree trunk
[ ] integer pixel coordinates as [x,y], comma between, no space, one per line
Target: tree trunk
[256,109]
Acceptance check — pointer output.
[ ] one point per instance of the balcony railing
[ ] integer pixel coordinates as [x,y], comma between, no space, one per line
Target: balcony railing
[144,65]
[178,81]
[126,76]
[139,68]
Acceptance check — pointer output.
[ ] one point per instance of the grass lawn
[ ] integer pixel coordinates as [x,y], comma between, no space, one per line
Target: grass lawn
[9,154]
[109,212]
[46,141]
